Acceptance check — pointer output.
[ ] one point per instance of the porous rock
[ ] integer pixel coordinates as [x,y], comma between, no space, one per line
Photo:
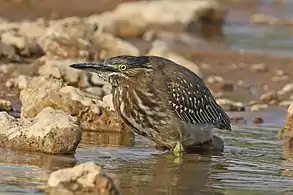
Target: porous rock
[87,178]
[61,69]
[110,46]
[51,131]
[93,114]
[5,105]
[76,38]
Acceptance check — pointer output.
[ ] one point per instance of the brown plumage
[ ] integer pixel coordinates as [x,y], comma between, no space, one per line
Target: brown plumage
[161,100]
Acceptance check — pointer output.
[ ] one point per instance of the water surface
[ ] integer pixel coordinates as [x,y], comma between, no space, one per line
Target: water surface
[253,163]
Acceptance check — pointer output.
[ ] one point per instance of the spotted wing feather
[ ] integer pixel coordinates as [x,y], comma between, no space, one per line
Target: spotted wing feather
[193,103]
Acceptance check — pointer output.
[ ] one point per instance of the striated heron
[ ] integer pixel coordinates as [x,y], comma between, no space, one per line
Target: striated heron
[161,100]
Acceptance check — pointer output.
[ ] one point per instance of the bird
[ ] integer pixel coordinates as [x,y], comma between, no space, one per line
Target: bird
[160,99]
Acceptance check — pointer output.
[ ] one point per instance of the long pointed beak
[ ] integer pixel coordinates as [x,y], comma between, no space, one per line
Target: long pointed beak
[93,67]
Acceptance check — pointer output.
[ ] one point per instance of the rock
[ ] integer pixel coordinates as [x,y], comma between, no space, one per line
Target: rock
[97,91]
[119,25]
[33,30]
[258,120]
[63,46]
[5,105]
[258,107]
[162,51]
[93,114]
[87,178]
[264,19]
[73,27]
[215,79]
[108,100]
[280,78]
[267,97]
[110,46]
[285,103]
[19,82]
[9,53]
[51,131]
[107,88]
[175,12]
[77,38]
[219,81]
[26,47]
[231,105]
[60,69]
[259,68]
[285,90]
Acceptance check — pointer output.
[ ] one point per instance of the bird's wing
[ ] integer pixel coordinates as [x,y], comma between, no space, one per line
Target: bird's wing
[192,101]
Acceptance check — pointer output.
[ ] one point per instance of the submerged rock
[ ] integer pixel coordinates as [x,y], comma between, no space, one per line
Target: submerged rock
[87,178]
[51,131]
[93,114]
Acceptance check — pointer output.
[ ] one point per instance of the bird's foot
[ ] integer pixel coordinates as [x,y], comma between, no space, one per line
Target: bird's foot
[178,150]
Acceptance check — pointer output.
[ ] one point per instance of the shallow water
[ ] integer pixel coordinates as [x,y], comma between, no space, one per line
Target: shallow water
[277,40]
[253,163]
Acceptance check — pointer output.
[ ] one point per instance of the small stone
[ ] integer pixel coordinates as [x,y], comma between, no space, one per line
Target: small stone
[19,82]
[108,100]
[227,87]
[107,88]
[87,178]
[258,107]
[286,90]
[280,78]
[259,68]
[264,19]
[51,131]
[285,103]
[5,105]
[252,102]
[110,46]
[61,69]
[215,79]
[97,91]
[230,105]
[268,97]
[258,120]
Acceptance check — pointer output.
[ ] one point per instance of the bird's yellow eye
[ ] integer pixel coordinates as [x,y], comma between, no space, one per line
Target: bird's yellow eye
[122,67]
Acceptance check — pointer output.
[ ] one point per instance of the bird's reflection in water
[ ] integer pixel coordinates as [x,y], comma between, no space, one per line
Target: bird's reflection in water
[162,175]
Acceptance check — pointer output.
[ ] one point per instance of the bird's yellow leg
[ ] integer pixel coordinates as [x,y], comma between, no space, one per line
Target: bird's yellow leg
[178,150]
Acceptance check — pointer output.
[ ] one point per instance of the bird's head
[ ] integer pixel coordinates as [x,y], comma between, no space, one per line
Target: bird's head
[125,66]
